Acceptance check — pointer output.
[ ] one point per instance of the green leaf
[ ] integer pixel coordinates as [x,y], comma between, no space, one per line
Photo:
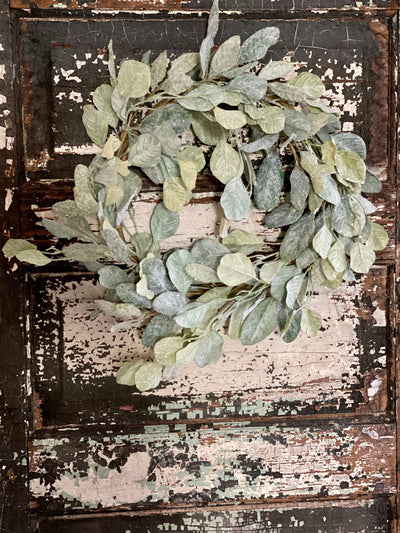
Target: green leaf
[306,258]
[208,42]
[350,142]
[170,142]
[293,289]
[378,238]
[330,192]
[163,222]
[350,167]
[226,56]
[111,276]
[263,143]
[127,293]
[292,327]
[337,256]
[83,191]
[317,121]
[209,349]
[175,194]
[119,251]
[235,200]
[158,69]
[314,201]
[166,348]
[348,217]
[134,79]
[72,217]
[102,100]
[270,269]
[85,252]
[208,252]
[310,323]
[111,64]
[268,186]
[273,120]
[95,124]
[362,257]
[177,81]
[193,154]
[235,269]
[120,105]
[15,246]
[148,376]
[132,187]
[59,230]
[230,120]
[275,70]
[156,275]
[287,92]
[216,293]
[186,355]
[299,188]
[225,162]
[322,241]
[239,313]
[142,243]
[297,238]
[250,85]
[283,215]
[297,125]
[310,83]
[196,315]
[257,45]
[160,326]
[240,240]
[146,151]
[33,256]
[372,184]
[127,371]
[176,263]
[208,131]
[260,322]
[201,273]
[177,116]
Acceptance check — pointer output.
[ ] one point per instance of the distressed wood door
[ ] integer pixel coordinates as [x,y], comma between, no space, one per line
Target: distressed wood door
[275,437]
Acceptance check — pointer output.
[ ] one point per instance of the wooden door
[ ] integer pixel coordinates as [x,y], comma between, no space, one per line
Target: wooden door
[274,438]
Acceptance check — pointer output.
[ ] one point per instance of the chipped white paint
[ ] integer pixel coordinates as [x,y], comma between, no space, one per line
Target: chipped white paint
[68,75]
[72,95]
[84,149]
[374,387]
[8,198]
[3,99]
[2,71]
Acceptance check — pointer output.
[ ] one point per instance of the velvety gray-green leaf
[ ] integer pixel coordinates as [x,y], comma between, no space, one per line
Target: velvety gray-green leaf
[283,215]
[297,238]
[259,323]
[235,200]
[268,186]
[257,45]
[176,265]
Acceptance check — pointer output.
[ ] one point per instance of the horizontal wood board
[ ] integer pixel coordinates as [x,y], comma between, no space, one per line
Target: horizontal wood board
[209,464]
[333,517]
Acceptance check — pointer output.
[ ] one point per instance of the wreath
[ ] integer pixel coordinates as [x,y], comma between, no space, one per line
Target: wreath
[261,130]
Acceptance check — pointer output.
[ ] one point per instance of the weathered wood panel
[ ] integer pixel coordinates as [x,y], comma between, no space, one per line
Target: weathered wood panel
[64,60]
[343,370]
[333,517]
[199,465]
[13,437]
[288,7]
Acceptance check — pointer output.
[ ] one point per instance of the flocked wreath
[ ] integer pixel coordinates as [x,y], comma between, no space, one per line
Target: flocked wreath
[252,126]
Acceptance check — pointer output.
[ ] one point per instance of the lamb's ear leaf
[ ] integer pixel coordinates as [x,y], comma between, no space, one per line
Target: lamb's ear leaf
[208,42]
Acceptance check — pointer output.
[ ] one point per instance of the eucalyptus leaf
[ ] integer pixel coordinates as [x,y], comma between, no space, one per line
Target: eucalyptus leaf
[225,162]
[242,241]
[163,222]
[350,142]
[293,288]
[287,92]
[283,215]
[102,100]
[208,131]
[330,191]
[95,124]
[160,326]
[166,348]
[322,241]
[266,142]
[175,194]
[156,275]
[146,151]
[378,238]
[337,256]
[268,186]
[58,230]
[194,155]
[250,85]
[235,200]
[273,120]
[158,69]
[208,42]
[111,276]
[297,125]
[127,293]
[257,45]
[148,376]
[201,273]
[292,327]
[230,120]
[176,265]
[299,188]
[134,79]
[362,257]
[226,56]
[179,118]
[310,83]
[196,315]
[310,322]
[371,184]
[276,69]
[297,238]
[126,372]
[259,323]
[209,349]
[235,269]
[208,252]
